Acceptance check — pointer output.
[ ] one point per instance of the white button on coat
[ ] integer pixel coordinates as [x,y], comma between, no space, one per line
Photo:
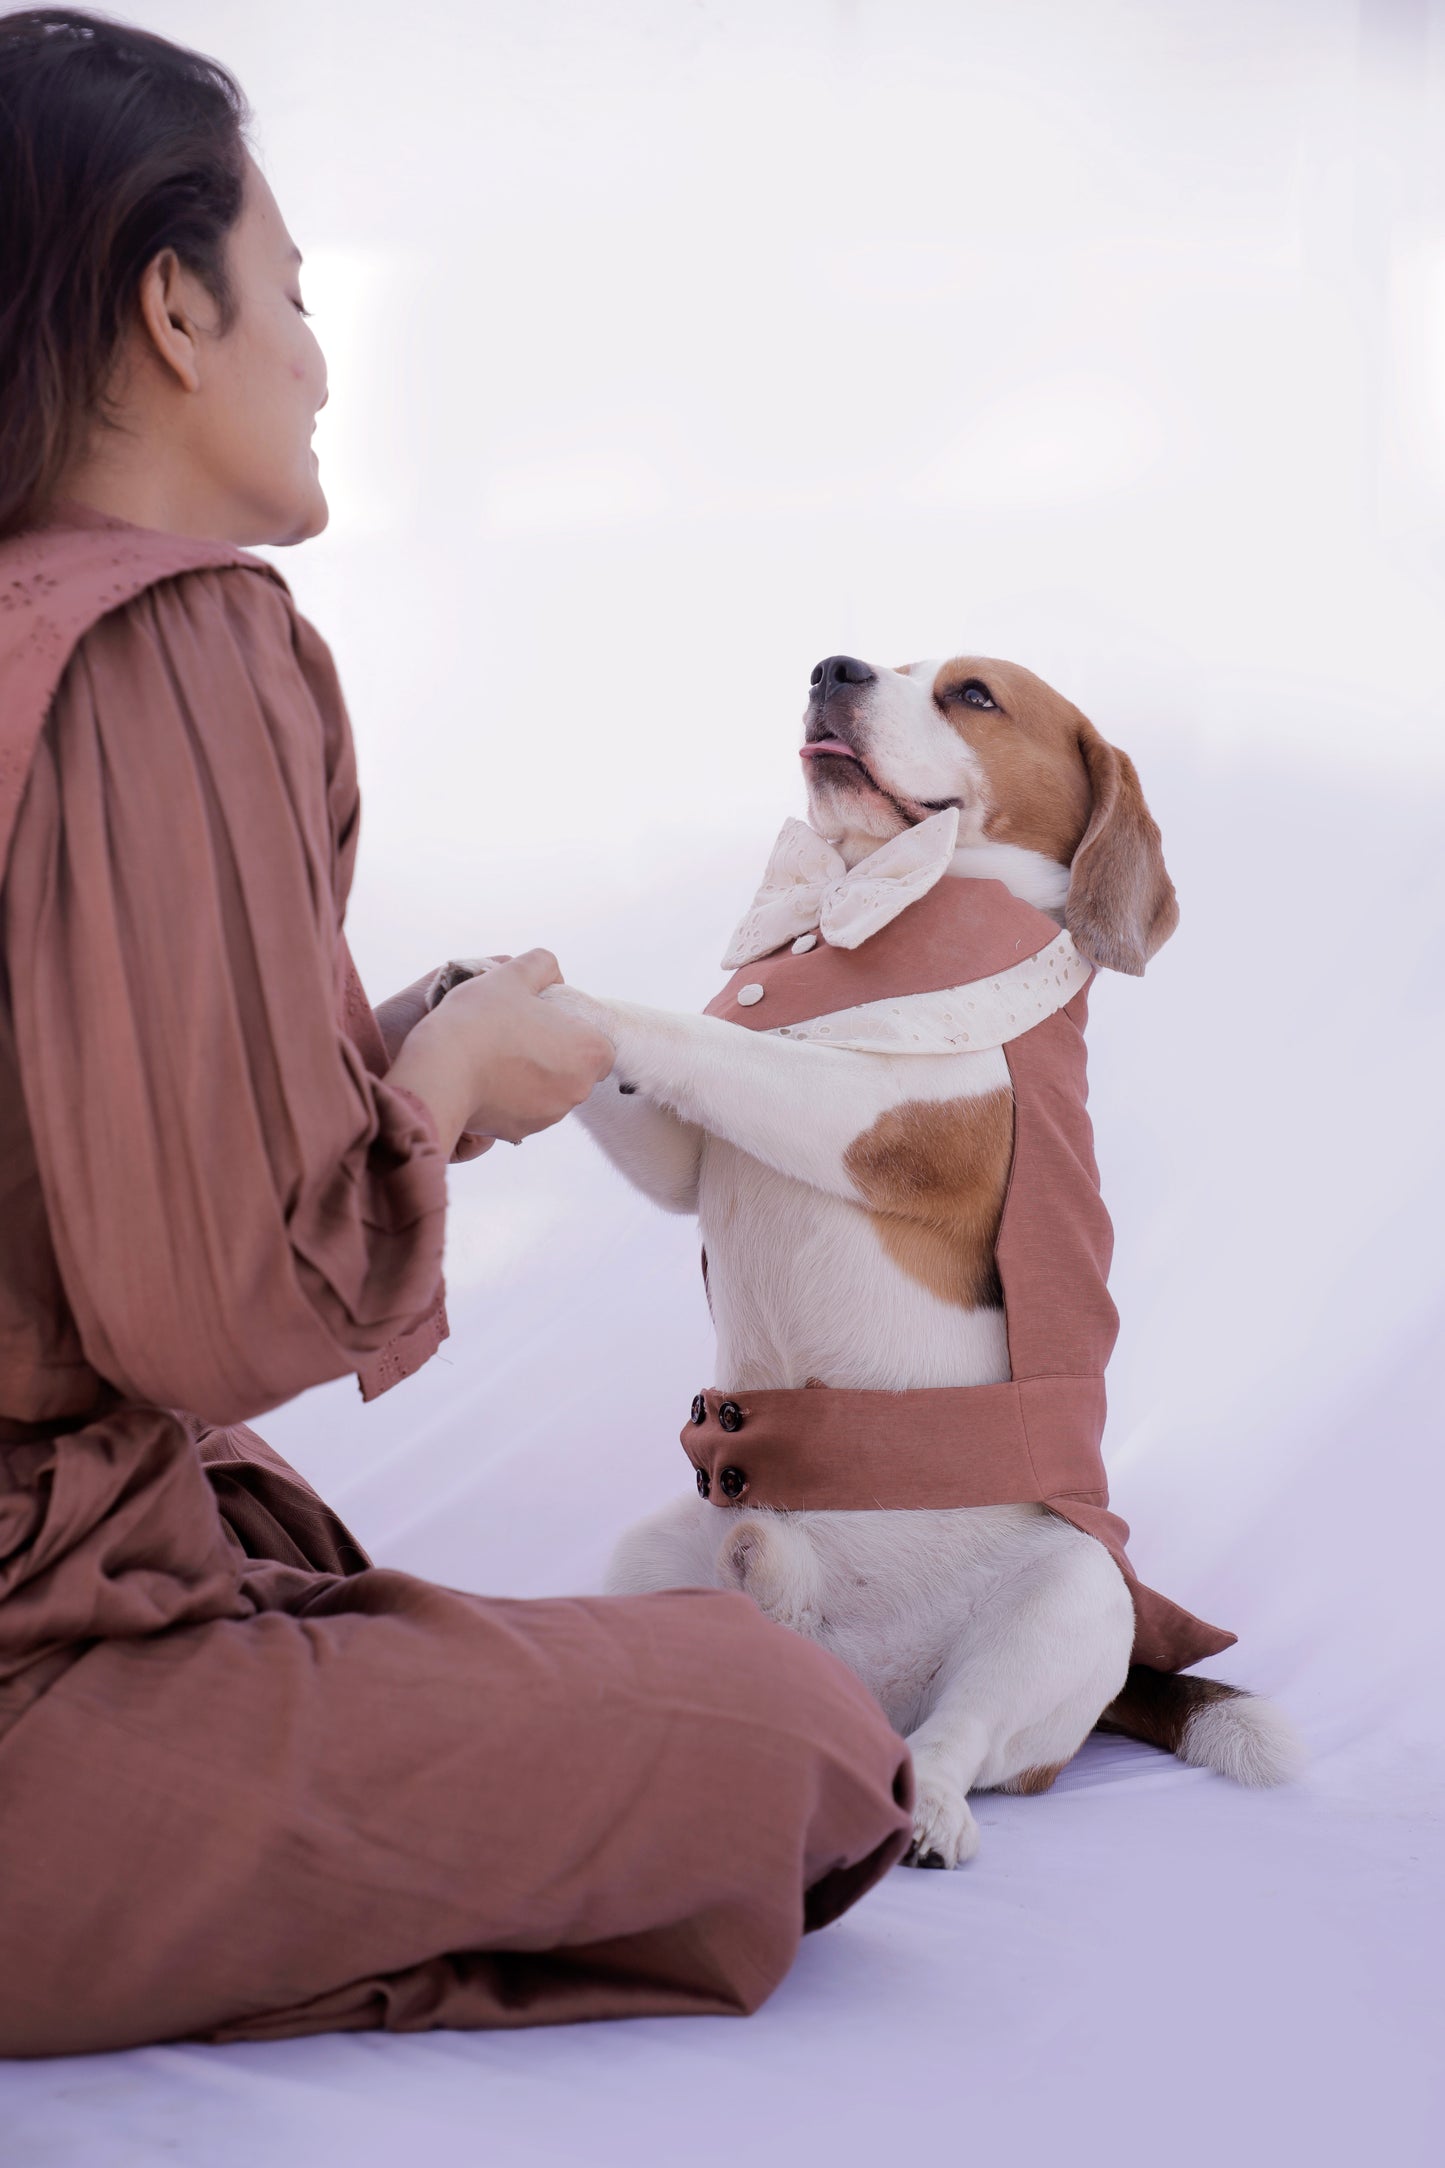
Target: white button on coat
[747,995]
[804,942]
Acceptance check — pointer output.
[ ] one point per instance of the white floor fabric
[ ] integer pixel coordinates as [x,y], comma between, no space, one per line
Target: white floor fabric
[1146,1963]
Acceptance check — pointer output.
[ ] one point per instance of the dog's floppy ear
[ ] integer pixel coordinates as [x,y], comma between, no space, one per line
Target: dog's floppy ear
[1121,905]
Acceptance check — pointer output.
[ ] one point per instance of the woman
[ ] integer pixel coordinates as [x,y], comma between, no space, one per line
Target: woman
[250,1785]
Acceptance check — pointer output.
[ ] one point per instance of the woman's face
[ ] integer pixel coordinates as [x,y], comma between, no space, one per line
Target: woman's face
[248,425]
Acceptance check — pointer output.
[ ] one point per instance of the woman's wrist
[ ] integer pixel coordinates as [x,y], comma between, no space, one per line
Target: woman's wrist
[424,1065]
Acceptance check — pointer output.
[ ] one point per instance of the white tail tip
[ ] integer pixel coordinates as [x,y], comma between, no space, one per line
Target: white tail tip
[1244,1738]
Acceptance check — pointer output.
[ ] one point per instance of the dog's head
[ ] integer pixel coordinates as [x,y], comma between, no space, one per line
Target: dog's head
[1044,802]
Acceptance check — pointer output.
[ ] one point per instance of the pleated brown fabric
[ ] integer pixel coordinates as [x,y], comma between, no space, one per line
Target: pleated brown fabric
[250,1784]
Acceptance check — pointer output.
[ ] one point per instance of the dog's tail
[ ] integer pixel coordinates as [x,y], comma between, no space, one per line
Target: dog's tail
[1207,1723]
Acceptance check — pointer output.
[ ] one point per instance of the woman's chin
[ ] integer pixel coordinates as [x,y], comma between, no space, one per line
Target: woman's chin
[312,521]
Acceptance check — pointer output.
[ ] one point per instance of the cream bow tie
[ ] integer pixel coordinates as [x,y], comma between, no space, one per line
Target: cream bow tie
[807,885]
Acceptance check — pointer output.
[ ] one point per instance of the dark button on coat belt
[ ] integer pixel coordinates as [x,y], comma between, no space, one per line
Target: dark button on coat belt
[704,1482]
[730,1415]
[699,1409]
[733,1481]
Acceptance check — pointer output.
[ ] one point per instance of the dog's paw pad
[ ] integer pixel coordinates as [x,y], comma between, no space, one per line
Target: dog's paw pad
[453,974]
[743,1557]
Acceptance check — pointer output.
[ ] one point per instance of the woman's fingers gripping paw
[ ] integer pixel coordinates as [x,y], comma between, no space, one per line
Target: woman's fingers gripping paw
[536,968]
[591,1031]
[599,1057]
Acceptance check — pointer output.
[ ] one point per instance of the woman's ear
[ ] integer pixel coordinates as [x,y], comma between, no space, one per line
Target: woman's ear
[1121,904]
[166,306]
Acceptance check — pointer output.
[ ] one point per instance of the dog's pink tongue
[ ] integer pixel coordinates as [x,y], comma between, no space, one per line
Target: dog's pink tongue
[827,745]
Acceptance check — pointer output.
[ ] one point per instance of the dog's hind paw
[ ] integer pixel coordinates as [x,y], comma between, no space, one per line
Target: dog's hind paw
[945,1833]
[775,1567]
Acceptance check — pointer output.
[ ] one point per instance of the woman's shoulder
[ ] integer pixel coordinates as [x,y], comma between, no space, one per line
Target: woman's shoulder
[194,620]
[78,553]
[60,579]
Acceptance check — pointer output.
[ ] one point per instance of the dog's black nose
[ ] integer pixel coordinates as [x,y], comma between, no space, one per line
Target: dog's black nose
[836,670]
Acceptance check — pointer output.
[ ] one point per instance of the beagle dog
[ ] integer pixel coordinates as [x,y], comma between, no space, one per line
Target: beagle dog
[996,1637]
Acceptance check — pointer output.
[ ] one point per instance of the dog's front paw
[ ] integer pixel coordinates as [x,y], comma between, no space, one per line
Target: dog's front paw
[774,1566]
[452,974]
[945,1833]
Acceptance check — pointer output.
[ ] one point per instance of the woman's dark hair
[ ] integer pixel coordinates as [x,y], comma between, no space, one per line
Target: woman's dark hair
[114,145]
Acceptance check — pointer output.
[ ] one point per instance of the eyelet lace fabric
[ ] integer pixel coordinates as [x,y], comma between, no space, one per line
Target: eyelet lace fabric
[808,885]
[970,1019]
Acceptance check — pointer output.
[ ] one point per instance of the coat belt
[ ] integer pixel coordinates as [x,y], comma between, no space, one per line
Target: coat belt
[828,1449]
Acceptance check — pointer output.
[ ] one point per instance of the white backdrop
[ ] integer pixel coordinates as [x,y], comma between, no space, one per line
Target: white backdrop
[672,347]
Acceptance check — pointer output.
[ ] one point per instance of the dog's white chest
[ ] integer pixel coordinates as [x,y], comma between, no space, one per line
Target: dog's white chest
[801,1286]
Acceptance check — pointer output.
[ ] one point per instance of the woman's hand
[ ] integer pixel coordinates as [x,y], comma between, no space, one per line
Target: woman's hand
[493,1059]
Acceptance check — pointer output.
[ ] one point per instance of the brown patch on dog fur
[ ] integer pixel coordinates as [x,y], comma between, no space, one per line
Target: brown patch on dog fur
[933,1176]
[1039,789]
[1056,786]
[1032,1781]
[1155,1706]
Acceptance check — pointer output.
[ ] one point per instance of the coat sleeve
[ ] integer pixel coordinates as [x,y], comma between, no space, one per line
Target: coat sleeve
[240,1209]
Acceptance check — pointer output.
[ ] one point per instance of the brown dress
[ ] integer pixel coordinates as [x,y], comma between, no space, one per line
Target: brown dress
[251,1785]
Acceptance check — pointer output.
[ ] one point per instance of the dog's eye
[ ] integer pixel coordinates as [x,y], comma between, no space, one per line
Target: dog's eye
[972,693]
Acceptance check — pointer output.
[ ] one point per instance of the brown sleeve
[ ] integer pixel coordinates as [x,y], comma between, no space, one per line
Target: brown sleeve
[239,1209]
[399,1015]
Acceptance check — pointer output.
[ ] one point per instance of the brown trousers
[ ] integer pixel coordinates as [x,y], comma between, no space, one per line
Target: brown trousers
[252,1786]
